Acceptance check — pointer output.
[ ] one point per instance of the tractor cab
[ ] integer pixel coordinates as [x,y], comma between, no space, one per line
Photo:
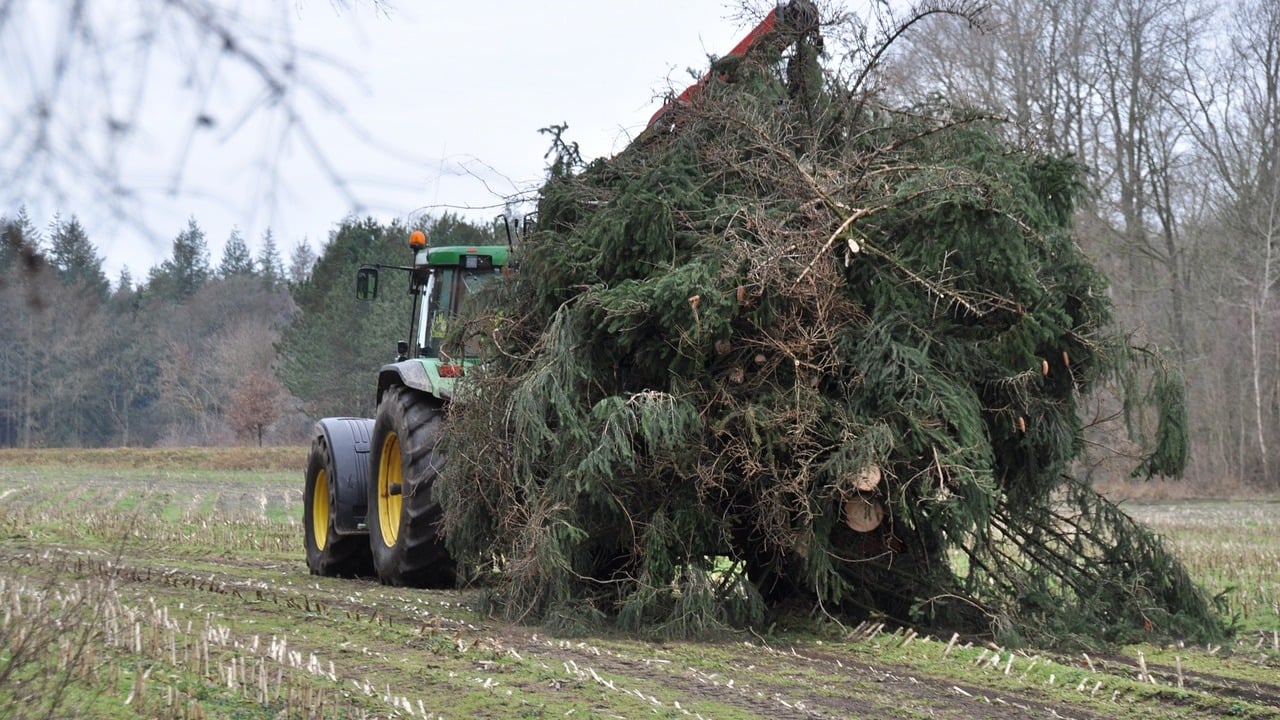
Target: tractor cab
[441,280]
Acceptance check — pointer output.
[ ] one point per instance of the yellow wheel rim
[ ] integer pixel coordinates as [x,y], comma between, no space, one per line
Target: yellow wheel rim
[320,509]
[389,504]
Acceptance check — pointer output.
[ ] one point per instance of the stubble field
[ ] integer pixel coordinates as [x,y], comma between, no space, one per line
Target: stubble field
[172,584]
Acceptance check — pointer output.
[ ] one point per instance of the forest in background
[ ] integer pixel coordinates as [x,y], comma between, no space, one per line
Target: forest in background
[1174,108]
[1173,105]
[245,351]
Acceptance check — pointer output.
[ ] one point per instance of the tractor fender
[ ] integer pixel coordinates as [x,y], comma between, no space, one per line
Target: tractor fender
[411,374]
[348,440]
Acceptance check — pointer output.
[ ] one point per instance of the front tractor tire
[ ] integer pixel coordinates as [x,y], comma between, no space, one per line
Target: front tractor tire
[404,518]
[328,553]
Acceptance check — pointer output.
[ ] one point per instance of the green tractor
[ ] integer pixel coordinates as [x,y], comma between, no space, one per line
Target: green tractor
[367,502]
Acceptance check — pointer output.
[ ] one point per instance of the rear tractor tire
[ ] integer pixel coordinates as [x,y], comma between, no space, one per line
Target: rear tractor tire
[328,553]
[404,518]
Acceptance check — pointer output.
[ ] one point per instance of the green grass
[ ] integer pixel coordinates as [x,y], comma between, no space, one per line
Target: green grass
[1231,547]
[172,565]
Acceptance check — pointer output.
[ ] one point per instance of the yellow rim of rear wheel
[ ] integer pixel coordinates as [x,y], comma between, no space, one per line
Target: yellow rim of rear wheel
[320,509]
[389,504]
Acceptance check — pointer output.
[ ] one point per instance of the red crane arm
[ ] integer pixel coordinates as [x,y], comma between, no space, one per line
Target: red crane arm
[797,15]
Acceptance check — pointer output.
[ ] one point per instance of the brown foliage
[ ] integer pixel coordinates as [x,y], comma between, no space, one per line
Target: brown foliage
[255,404]
[286,458]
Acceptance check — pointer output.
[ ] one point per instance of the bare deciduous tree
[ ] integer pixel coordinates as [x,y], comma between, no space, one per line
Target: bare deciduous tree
[1235,119]
[96,92]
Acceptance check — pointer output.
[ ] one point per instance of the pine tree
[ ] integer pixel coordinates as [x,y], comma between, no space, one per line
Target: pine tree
[453,229]
[186,271]
[19,241]
[75,257]
[269,264]
[301,261]
[8,244]
[236,259]
[124,284]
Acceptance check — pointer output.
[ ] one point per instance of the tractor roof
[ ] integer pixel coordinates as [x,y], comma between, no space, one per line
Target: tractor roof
[453,254]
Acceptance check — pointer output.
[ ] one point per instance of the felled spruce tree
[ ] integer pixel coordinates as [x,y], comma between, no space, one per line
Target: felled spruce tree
[801,346]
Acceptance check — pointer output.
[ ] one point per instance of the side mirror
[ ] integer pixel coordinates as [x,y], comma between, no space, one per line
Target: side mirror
[367,283]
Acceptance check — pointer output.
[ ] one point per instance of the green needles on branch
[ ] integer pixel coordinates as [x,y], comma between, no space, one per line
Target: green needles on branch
[807,348]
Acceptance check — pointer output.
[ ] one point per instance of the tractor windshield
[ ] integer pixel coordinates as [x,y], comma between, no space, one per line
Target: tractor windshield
[444,294]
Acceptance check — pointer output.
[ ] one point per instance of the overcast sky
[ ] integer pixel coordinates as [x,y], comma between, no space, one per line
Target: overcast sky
[450,95]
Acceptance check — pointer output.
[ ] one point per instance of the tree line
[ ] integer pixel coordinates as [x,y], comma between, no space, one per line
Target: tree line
[249,350]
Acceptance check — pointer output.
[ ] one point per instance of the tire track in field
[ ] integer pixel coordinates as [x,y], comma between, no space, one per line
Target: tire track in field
[762,681]
[1253,691]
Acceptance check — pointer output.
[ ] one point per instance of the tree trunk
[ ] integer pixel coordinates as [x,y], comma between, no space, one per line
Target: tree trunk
[1254,344]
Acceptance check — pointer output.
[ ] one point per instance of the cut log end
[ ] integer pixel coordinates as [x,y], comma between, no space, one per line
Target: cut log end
[863,514]
[867,479]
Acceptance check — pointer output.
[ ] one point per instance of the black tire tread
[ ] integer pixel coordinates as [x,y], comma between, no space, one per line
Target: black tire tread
[343,555]
[419,558]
